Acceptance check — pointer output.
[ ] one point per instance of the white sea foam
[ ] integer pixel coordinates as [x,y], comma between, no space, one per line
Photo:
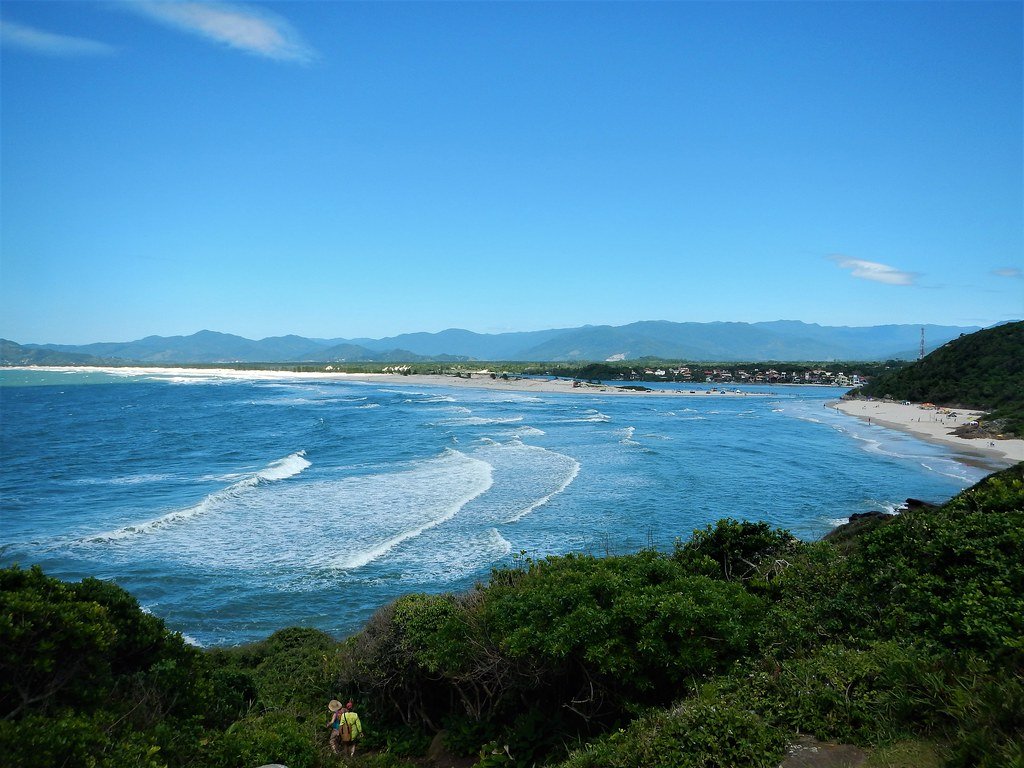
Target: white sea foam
[503,545]
[465,494]
[369,405]
[225,478]
[451,554]
[289,466]
[470,421]
[626,436]
[569,469]
[140,479]
[889,507]
[427,400]
[281,469]
[589,417]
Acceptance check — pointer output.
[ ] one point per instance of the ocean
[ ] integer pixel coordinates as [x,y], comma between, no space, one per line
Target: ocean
[232,508]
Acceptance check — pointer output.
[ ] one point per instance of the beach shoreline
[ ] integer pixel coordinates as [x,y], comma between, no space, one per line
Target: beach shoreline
[478,380]
[933,426]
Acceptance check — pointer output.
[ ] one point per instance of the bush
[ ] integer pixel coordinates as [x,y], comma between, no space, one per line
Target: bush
[637,625]
[837,693]
[737,550]
[699,734]
[275,737]
[86,677]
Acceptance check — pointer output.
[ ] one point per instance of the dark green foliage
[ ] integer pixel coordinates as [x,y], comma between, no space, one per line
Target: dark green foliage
[837,692]
[234,693]
[953,576]
[274,737]
[271,700]
[983,370]
[83,663]
[738,550]
[998,493]
[639,625]
[67,737]
[699,734]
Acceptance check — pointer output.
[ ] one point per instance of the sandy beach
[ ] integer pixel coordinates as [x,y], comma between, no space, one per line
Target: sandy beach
[931,424]
[478,380]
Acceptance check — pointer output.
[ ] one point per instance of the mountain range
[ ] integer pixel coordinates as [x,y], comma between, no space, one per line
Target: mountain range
[782,340]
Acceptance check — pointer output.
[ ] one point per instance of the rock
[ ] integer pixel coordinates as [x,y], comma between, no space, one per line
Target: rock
[437,751]
[867,515]
[808,752]
[438,755]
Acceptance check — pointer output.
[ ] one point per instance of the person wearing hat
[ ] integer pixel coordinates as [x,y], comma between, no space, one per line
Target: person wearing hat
[334,706]
[345,727]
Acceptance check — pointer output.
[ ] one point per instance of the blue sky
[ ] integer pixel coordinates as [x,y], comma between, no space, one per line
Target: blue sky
[339,169]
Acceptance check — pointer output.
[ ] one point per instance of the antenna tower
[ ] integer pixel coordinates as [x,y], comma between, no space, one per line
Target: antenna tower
[920,356]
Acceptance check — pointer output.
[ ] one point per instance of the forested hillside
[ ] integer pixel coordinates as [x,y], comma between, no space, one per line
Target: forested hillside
[984,370]
[903,636]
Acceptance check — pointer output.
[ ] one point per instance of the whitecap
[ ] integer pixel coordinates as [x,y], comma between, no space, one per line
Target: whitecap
[140,479]
[470,421]
[281,469]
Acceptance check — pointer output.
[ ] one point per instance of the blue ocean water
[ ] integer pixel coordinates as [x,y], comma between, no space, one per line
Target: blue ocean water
[232,508]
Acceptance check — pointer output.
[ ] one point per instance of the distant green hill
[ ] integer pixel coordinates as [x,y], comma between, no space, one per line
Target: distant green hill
[718,342]
[983,370]
[15,354]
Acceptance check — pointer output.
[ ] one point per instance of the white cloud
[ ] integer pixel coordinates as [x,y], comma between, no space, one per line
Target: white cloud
[1008,272]
[879,273]
[242,27]
[48,43]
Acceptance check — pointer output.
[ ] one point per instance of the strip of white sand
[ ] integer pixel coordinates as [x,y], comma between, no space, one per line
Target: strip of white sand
[930,423]
[481,380]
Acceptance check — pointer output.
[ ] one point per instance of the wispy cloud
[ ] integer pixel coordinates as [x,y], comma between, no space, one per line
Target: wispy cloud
[49,43]
[243,27]
[1012,272]
[879,273]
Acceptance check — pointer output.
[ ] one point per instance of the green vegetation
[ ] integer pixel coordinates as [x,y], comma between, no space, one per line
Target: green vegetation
[984,370]
[905,637]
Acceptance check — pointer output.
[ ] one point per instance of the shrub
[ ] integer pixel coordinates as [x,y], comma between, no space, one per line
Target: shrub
[738,550]
[698,734]
[275,737]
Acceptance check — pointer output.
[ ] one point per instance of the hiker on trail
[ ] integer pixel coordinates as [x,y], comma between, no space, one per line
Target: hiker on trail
[345,728]
[335,725]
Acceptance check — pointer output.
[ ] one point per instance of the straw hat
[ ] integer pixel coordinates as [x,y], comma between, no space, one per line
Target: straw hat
[334,706]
